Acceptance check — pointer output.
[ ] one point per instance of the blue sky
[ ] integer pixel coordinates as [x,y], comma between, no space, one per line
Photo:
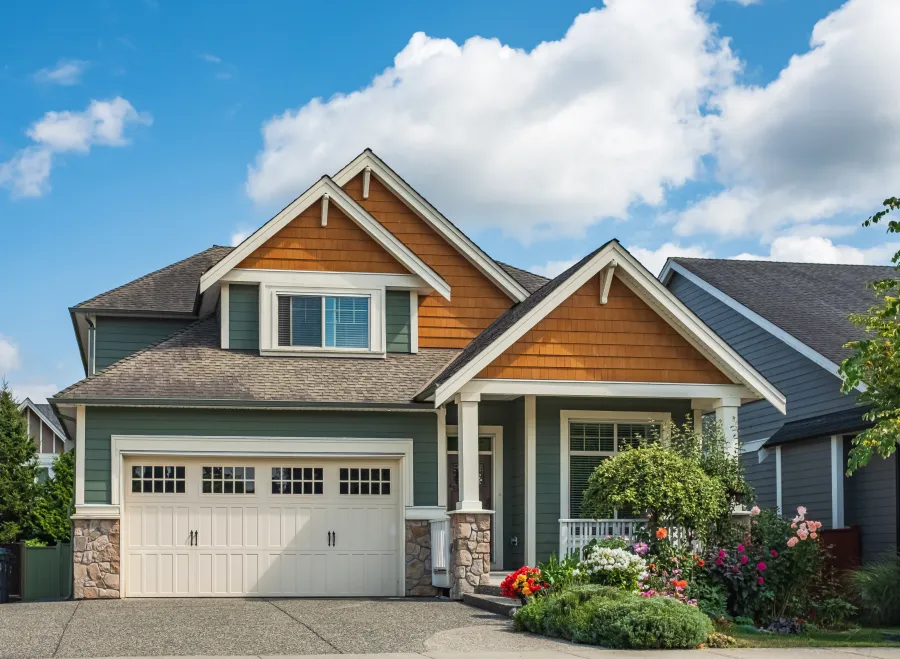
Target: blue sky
[133,134]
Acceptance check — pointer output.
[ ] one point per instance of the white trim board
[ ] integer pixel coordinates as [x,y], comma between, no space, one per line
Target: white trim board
[652,292]
[351,209]
[607,389]
[565,419]
[773,329]
[33,407]
[431,216]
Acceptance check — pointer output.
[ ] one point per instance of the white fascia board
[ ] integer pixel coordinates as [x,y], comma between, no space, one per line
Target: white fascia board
[52,426]
[671,390]
[814,356]
[434,219]
[354,211]
[657,296]
[313,278]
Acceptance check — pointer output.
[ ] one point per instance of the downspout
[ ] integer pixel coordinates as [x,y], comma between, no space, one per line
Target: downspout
[92,331]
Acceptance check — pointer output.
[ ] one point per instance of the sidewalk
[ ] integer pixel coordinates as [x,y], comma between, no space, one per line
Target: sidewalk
[570,652]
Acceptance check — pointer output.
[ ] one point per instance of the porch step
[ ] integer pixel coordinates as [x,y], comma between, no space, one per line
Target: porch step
[492,589]
[493,603]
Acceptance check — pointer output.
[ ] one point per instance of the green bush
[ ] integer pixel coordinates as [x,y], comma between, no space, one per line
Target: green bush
[877,585]
[558,573]
[601,616]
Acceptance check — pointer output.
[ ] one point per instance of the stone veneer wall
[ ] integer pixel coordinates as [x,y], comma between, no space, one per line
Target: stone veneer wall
[96,557]
[470,553]
[418,559]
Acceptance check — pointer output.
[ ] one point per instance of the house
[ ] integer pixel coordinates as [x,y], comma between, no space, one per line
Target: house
[48,435]
[790,322]
[357,400]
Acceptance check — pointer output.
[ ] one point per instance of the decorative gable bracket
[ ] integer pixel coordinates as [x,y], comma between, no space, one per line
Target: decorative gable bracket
[606,280]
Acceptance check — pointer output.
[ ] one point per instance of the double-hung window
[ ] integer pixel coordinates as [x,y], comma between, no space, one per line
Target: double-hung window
[590,443]
[320,321]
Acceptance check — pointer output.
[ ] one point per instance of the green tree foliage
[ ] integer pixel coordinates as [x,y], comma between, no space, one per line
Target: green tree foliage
[671,488]
[18,469]
[875,361]
[49,520]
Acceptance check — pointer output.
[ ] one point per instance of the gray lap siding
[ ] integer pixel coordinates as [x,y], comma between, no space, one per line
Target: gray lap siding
[119,337]
[806,478]
[762,477]
[103,422]
[871,502]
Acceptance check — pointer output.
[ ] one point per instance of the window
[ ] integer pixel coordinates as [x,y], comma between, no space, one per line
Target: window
[590,443]
[229,480]
[315,321]
[364,480]
[157,479]
[297,480]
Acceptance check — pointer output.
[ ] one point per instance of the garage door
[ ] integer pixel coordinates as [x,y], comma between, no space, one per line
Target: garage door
[207,527]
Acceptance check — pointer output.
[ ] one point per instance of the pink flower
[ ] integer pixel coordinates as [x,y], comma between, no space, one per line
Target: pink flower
[754,510]
[801,510]
[721,553]
[813,535]
[793,541]
[774,553]
[744,559]
[761,566]
[802,533]
[760,581]
[740,549]
[719,561]
[793,525]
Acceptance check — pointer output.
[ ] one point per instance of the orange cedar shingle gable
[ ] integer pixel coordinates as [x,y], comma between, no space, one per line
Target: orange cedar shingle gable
[341,246]
[621,341]
[475,300]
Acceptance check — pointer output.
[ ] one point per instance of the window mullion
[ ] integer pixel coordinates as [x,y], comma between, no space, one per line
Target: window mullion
[324,340]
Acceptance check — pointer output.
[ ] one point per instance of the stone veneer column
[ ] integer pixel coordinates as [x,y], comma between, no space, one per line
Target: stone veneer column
[96,557]
[470,552]
[418,559]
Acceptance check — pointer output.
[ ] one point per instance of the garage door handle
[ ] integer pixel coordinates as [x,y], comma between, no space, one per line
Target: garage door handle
[334,537]
[329,538]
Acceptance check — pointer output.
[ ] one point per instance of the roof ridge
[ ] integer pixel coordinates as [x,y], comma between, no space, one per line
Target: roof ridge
[773,262]
[149,274]
[133,355]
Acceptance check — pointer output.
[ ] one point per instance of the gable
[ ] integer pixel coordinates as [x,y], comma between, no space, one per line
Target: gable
[623,340]
[476,301]
[304,244]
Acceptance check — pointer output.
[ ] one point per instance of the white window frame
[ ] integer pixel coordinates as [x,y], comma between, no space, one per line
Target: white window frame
[566,417]
[268,329]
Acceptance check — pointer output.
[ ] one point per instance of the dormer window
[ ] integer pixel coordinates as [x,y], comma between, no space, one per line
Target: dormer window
[313,321]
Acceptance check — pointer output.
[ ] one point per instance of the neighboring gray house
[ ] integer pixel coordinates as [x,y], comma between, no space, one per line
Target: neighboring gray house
[47,433]
[790,322]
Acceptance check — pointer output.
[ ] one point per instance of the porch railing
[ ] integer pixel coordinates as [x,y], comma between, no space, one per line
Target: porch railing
[574,534]
[440,553]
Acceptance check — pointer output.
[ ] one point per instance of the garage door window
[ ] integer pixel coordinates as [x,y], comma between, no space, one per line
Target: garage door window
[158,479]
[297,480]
[365,480]
[229,480]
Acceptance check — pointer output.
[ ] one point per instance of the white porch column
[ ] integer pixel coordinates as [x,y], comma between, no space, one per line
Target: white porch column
[469,498]
[778,500]
[727,415]
[530,480]
[837,482]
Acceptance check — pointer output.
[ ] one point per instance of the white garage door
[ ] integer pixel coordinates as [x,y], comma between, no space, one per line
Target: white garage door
[216,527]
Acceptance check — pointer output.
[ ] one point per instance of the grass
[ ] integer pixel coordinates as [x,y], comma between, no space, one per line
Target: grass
[860,637]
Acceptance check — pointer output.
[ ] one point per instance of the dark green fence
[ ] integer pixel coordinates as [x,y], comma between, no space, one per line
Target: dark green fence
[47,571]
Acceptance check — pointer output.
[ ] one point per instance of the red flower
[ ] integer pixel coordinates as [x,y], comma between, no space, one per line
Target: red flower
[701,562]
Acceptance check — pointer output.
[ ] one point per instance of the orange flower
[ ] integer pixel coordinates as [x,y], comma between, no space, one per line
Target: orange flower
[661,534]
[652,566]
[701,562]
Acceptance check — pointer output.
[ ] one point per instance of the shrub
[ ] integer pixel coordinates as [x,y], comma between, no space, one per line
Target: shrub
[617,568]
[720,640]
[559,574]
[615,619]
[877,585]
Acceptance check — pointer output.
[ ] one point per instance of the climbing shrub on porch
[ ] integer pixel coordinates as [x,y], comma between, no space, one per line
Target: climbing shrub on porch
[670,488]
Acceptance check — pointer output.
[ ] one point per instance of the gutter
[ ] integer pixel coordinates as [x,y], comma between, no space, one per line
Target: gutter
[243,404]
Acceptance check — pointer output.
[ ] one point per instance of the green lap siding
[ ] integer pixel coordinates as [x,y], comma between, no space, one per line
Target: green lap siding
[397,325]
[117,338]
[243,317]
[103,422]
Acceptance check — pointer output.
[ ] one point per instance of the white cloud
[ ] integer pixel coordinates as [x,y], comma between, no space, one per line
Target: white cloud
[239,236]
[552,268]
[103,123]
[9,355]
[66,72]
[209,57]
[572,131]
[655,259]
[38,393]
[817,249]
[821,139]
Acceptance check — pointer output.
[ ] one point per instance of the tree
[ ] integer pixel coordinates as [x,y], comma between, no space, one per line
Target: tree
[18,468]
[49,519]
[875,361]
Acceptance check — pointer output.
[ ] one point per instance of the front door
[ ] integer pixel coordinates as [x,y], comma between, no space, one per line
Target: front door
[485,481]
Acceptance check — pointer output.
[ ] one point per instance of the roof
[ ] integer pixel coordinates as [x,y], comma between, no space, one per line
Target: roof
[190,365]
[173,289]
[527,280]
[824,425]
[45,411]
[493,331]
[809,301]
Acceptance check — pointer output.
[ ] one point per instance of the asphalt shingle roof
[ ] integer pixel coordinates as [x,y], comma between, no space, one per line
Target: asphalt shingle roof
[48,412]
[191,365]
[835,423]
[173,289]
[527,280]
[810,301]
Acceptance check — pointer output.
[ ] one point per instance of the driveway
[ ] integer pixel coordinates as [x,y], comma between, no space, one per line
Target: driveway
[143,627]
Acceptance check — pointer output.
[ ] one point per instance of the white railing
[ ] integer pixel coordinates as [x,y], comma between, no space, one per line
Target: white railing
[574,534]
[440,553]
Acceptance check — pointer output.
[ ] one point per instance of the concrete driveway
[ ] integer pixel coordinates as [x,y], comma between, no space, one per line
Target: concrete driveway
[142,627]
